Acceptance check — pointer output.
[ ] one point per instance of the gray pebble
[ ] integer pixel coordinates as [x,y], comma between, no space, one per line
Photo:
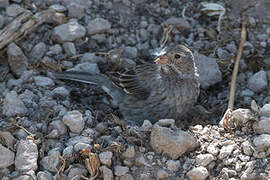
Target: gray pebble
[26,156]
[106,158]
[75,122]
[6,157]
[69,48]
[38,51]
[4,3]
[58,8]
[76,11]
[87,67]
[14,9]
[98,25]
[2,21]
[13,105]
[130,52]
[120,170]
[68,32]
[43,81]
[258,82]
[52,161]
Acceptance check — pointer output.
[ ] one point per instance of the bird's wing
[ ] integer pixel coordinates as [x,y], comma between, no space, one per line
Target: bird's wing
[132,82]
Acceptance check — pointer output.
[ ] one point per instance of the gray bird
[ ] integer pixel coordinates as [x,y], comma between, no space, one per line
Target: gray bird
[167,88]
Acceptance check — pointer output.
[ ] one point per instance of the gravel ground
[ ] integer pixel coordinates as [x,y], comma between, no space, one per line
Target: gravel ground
[52,129]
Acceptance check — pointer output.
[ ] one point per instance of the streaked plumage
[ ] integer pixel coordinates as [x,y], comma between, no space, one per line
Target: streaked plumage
[167,89]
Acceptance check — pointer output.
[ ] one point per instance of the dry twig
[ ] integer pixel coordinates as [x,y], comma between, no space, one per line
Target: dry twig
[227,118]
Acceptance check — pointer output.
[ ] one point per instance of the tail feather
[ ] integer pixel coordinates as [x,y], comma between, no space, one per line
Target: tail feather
[96,79]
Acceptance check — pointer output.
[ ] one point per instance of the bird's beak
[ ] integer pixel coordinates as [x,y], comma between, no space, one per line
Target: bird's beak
[163,59]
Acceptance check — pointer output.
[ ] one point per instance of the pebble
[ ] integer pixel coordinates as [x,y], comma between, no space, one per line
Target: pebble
[265,111]
[262,126]
[68,32]
[76,11]
[26,156]
[106,158]
[43,81]
[13,105]
[204,159]
[208,70]
[173,165]
[2,21]
[6,157]
[77,171]
[14,10]
[38,51]
[179,23]
[52,161]
[4,3]
[198,173]
[162,174]
[91,68]
[247,148]
[55,49]
[58,8]
[44,175]
[129,152]
[16,59]
[130,52]
[174,143]
[126,177]
[262,141]
[69,49]
[120,170]
[226,151]
[107,173]
[258,82]
[98,25]
[74,120]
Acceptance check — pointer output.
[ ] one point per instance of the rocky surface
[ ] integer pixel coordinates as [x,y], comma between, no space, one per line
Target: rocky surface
[52,129]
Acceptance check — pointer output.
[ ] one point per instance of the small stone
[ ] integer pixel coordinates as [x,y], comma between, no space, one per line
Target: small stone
[179,23]
[79,139]
[129,152]
[75,122]
[126,177]
[26,156]
[107,173]
[43,81]
[130,52]
[60,92]
[265,110]
[68,32]
[6,157]
[91,68]
[262,126]
[77,171]
[76,11]
[106,158]
[120,170]
[52,161]
[141,161]
[84,3]
[174,143]
[99,38]
[162,174]
[127,63]
[13,105]
[208,70]
[204,159]
[258,82]
[166,122]
[16,59]
[146,126]
[262,141]
[173,165]
[43,175]
[98,25]
[14,9]
[222,54]
[59,125]
[4,3]
[69,48]
[8,138]
[56,49]
[143,34]
[38,51]
[226,151]
[198,173]
[247,148]
[58,8]
[231,47]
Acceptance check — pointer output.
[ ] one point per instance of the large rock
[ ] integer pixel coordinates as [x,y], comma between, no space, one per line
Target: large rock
[16,59]
[208,69]
[172,142]
[68,32]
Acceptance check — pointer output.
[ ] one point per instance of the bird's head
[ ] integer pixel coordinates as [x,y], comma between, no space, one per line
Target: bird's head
[177,60]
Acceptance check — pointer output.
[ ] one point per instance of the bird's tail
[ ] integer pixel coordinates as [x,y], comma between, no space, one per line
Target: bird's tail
[96,79]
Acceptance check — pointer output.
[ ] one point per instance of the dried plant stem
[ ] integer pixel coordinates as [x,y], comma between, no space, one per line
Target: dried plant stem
[237,60]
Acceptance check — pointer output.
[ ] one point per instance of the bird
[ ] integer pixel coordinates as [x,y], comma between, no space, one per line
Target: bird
[167,88]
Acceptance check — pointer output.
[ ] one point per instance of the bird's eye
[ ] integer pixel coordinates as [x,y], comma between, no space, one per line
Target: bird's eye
[177,56]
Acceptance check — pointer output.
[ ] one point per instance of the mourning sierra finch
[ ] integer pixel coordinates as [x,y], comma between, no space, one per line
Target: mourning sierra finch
[167,88]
